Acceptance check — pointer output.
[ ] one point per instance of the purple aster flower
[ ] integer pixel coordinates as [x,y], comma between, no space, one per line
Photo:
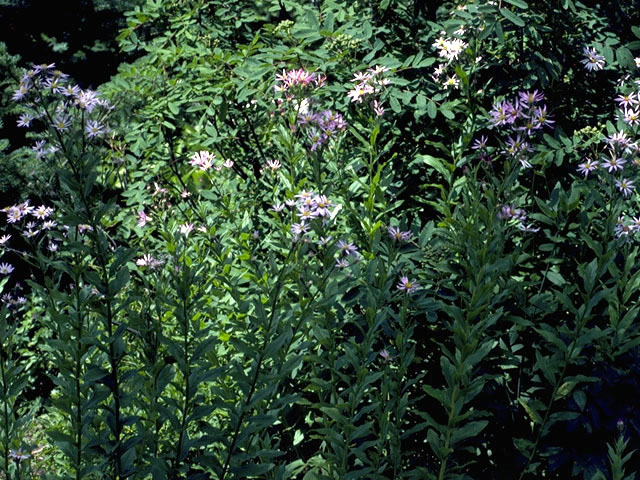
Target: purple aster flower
[386,355]
[530,98]
[592,60]
[347,248]
[479,143]
[25,120]
[6,268]
[342,263]
[541,118]
[407,285]
[625,186]
[587,167]
[94,129]
[398,235]
[613,163]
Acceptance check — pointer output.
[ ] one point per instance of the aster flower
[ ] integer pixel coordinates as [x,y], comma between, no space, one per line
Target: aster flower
[143,218]
[54,84]
[632,116]
[500,113]
[386,355]
[347,248]
[25,120]
[321,205]
[342,263]
[70,90]
[527,227]
[592,60]
[273,164]
[323,241]
[305,213]
[61,123]
[83,227]
[299,228]
[87,100]
[4,239]
[530,98]
[359,92]
[21,92]
[619,139]
[43,67]
[625,186]
[541,118]
[145,260]
[186,229]
[277,207]
[396,234]
[377,108]
[613,163]
[479,143]
[94,129]
[202,159]
[6,268]
[19,455]
[587,167]
[451,82]
[622,228]
[407,285]
[304,195]
[42,212]
[627,100]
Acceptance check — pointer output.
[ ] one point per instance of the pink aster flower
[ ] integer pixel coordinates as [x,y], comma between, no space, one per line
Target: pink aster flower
[186,229]
[377,108]
[143,218]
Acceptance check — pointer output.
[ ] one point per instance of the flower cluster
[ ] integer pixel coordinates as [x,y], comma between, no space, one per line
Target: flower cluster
[508,212]
[297,79]
[522,117]
[368,83]
[66,101]
[625,227]
[321,126]
[32,220]
[205,160]
[450,49]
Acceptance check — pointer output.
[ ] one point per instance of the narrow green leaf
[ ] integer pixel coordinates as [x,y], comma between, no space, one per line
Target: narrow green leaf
[512,17]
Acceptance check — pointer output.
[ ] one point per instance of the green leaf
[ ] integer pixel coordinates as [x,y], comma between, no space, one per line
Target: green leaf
[431,109]
[438,165]
[555,278]
[471,429]
[512,17]
[533,415]
[518,3]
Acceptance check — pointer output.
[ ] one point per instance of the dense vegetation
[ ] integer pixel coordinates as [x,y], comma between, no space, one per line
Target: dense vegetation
[322,240]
